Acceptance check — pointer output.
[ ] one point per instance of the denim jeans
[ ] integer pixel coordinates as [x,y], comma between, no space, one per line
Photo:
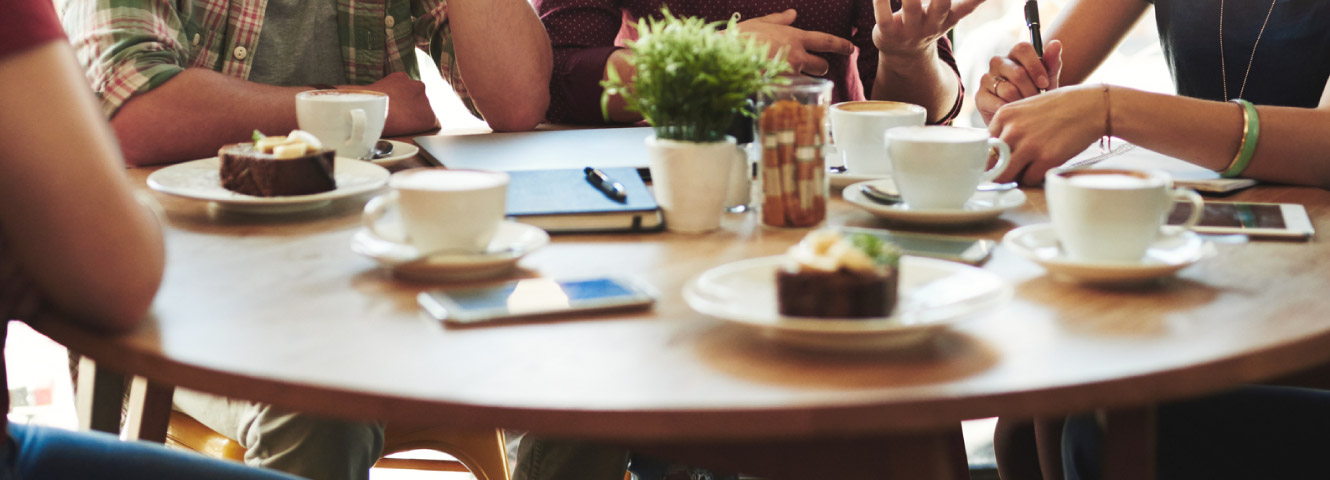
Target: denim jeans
[38,453]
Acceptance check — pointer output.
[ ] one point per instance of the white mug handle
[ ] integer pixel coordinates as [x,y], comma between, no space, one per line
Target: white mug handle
[1197,205]
[357,127]
[1004,158]
[375,209]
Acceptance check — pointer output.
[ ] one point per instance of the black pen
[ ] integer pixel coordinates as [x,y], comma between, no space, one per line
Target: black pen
[1032,21]
[605,184]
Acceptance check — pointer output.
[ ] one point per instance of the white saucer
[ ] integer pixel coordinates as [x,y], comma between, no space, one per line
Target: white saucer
[1170,253]
[401,151]
[933,294]
[200,180]
[982,206]
[512,242]
[843,179]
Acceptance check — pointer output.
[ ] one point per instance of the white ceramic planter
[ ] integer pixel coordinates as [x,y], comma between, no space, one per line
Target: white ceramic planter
[690,181]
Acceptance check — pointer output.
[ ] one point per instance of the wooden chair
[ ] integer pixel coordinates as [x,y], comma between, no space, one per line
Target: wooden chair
[480,452]
[99,404]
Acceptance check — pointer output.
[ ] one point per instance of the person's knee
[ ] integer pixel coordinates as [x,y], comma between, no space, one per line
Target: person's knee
[313,446]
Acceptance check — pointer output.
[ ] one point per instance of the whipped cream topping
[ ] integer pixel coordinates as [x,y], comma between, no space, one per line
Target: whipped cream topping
[829,251]
[296,144]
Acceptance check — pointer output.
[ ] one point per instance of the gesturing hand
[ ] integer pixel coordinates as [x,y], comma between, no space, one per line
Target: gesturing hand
[912,31]
[776,31]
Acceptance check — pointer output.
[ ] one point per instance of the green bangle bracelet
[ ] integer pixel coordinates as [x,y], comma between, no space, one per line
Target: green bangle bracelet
[1251,133]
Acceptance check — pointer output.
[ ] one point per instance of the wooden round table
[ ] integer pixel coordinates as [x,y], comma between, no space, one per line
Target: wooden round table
[278,309]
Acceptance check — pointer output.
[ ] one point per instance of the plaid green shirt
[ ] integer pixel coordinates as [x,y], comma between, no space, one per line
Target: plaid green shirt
[129,47]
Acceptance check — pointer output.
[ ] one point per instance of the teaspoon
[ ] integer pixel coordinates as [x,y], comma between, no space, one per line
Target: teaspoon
[383,148]
[883,197]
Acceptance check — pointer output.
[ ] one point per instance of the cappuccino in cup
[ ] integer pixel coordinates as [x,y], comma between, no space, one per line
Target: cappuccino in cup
[349,121]
[1112,215]
[457,211]
[857,128]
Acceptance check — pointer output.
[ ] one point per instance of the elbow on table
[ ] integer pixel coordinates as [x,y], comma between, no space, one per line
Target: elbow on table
[517,115]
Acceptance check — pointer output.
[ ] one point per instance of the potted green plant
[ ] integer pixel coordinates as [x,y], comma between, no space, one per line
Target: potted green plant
[692,77]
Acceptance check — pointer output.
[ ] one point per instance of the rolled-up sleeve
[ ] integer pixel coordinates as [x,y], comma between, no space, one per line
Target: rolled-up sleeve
[126,47]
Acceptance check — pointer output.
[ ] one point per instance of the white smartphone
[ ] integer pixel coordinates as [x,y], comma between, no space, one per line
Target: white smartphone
[957,249]
[1270,220]
[534,297]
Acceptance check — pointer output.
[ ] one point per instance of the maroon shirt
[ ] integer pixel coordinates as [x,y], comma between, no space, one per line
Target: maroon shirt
[584,33]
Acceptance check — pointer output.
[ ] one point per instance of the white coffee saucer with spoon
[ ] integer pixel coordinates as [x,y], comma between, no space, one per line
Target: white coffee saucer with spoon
[1172,251]
[387,152]
[984,205]
[513,241]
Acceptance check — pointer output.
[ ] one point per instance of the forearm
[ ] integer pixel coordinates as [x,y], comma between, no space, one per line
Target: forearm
[198,111]
[1089,31]
[504,55]
[68,215]
[1290,148]
[923,80]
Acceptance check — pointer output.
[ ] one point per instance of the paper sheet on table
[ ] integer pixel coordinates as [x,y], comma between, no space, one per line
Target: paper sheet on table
[1186,174]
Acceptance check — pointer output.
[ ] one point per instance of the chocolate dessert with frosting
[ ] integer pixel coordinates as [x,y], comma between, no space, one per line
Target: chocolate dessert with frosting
[829,275]
[296,164]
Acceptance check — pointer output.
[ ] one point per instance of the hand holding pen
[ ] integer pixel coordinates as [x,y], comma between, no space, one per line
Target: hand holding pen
[1024,72]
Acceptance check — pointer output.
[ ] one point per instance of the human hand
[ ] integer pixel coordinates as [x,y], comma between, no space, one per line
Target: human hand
[1018,75]
[912,32]
[775,30]
[408,108]
[1046,130]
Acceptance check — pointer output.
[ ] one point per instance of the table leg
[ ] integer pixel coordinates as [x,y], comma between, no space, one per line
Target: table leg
[149,410]
[99,398]
[938,455]
[1129,444]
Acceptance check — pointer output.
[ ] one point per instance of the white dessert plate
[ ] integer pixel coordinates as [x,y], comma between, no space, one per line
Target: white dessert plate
[982,206]
[1173,251]
[200,180]
[401,151]
[512,242]
[932,294]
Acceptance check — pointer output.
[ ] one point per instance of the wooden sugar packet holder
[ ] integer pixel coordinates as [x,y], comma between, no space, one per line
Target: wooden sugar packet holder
[793,184]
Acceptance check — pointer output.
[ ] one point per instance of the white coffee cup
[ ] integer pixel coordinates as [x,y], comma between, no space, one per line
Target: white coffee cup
[938,167]
[857,128]
[440,210]
[349,121]
[1112,215]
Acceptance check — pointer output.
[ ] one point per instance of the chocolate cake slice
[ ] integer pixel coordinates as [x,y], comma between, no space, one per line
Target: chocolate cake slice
[247,170]
[833,276]
[840,294]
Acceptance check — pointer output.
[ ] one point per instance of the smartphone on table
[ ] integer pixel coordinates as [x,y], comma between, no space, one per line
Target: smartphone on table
[534,297]
[947,247]
[1265,220]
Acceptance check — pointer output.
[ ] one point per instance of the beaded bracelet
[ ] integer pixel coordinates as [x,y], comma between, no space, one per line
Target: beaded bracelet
[1251,132]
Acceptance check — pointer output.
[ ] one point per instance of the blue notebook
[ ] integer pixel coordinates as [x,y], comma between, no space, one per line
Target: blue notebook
[563,201]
